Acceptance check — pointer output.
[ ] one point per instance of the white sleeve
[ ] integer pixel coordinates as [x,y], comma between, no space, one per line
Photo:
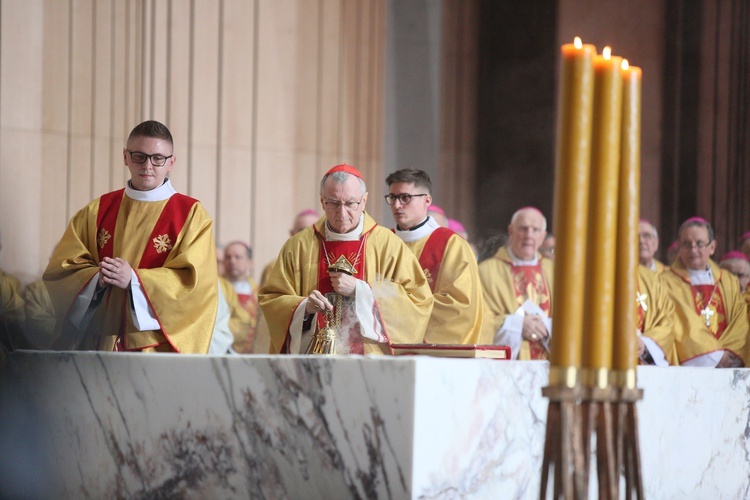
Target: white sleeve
[144,317]
[510,332]
[221,338]
[369,321]
[295,329]
[655,351]
[709,360]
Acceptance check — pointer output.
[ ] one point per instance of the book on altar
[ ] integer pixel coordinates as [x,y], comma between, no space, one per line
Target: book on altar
[453,350]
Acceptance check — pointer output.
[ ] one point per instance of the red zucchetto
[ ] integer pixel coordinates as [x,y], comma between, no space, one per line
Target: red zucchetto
[345,168]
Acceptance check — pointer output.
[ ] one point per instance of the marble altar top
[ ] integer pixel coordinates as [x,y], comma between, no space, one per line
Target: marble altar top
[144,425]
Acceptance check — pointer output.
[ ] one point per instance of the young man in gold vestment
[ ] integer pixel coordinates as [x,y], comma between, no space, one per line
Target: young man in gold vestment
[136,268]
[446,258]
[384,296]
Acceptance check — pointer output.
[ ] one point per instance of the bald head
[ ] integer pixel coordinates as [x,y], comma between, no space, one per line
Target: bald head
[738,267]
[527,230]
[304,219]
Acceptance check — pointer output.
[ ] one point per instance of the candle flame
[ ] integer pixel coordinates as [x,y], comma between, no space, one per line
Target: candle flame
[577,43]
[625,64]
[607,52]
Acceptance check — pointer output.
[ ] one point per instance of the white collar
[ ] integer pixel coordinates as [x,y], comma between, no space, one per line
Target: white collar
[426,229]
[520,262]
[352,235]
[163,192]
[701,276]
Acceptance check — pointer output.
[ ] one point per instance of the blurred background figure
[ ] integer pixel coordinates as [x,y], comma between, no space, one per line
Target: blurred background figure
[548,247]
[11,309]
[438,214]
[738,264]
[220,259]
[302,220]
[457,228]
[745,244]
[238,264]
[672,252]
[648,244]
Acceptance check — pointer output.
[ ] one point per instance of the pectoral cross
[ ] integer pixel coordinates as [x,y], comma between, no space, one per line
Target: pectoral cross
[707,313]
[641,299]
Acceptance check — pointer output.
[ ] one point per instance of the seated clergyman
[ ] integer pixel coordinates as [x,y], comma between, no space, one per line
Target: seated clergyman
[711,324]
[517,283]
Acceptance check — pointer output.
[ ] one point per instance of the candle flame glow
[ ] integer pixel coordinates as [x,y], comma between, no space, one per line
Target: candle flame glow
[607,52]
[625,64]
[577,43]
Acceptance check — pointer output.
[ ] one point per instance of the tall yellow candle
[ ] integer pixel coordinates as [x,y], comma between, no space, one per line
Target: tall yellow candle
[572,160]
[600,265]
[625,350]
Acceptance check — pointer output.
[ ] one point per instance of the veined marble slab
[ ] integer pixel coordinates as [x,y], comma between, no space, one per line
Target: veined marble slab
[148,425]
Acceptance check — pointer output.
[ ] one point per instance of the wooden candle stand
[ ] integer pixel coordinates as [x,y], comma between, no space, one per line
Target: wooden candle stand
[576,414]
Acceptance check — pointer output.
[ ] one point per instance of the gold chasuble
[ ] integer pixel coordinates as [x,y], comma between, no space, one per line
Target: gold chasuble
[451,270]
[507,287]
[402,301]
[170,246]
[655,312]
[708,318]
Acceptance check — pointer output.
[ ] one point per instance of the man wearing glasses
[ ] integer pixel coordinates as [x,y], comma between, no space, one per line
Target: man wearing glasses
[346,270]
[136,268]
[445,257]
[517,283]
[711,325]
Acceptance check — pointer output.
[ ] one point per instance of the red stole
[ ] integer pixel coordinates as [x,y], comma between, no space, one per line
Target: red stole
[354,252]
[709,298]
[529,283]
[432,254]
[161,240]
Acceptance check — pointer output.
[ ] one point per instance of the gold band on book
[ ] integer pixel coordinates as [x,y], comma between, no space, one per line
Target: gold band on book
[596,377]
[625,379]
[563,376]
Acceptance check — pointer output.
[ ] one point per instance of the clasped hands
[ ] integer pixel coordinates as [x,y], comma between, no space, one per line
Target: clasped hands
[342,283]
[533,328]
[115,271]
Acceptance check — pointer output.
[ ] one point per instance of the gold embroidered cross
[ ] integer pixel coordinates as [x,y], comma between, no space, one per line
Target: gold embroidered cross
[103,237]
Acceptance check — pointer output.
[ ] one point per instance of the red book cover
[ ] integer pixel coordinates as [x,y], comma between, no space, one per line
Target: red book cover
[453,350]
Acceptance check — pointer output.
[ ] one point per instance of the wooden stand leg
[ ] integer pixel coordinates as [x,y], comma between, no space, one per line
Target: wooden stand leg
[629,444]
[605,451]
[561,444]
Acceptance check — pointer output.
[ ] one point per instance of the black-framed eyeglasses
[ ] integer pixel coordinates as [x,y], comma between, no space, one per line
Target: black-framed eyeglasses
[689,245]
[404,198]
[349,205]
[157,160]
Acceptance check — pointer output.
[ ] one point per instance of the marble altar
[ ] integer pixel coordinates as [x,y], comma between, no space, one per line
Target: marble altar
[141,426]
